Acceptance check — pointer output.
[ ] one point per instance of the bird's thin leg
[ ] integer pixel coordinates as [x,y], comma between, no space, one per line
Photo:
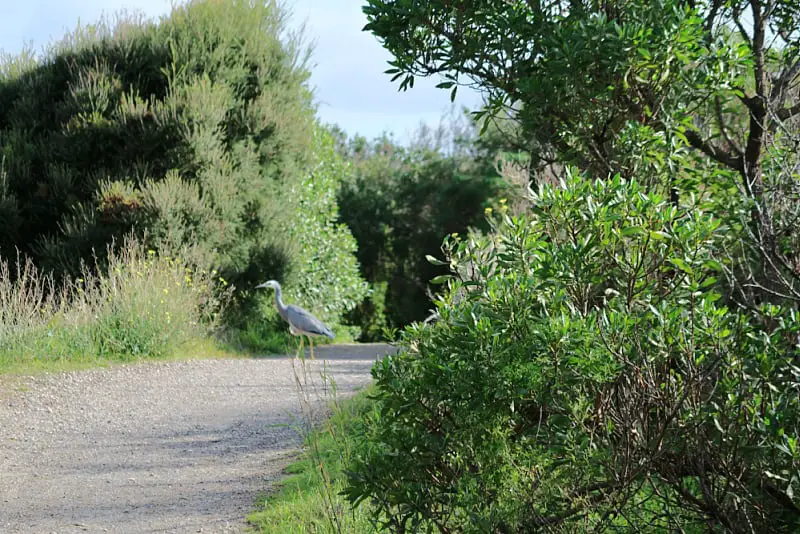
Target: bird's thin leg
[300,349]
[311,344]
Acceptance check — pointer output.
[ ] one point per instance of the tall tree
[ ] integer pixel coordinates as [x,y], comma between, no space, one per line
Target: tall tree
[666,91]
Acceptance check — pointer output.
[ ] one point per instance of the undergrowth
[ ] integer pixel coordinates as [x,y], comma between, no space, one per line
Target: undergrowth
[261,338]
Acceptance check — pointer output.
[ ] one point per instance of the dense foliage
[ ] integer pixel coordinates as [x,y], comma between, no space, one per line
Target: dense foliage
[585,374]
[194,133]
[662,91]
[624,353]
[325,276]
[400,202]
[169,125]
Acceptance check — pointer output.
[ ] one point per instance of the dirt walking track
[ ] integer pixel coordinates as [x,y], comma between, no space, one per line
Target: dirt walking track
[154,447]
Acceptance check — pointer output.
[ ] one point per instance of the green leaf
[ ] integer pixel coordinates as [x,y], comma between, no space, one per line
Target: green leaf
[682,265]
[658,235]
[434,261]
[631,231]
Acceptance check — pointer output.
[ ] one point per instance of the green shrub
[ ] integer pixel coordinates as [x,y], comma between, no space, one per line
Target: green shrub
[196,134]
[370,314]
[320,273]
[192,132]
[584,374]
[660,91]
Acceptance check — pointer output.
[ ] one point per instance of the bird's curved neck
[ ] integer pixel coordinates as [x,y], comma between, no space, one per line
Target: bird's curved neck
[279,299]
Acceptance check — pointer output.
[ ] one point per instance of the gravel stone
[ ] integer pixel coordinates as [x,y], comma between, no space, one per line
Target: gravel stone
[184,446]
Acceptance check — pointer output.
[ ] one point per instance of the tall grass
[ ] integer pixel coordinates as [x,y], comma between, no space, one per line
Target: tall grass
[310,499]
[139,304]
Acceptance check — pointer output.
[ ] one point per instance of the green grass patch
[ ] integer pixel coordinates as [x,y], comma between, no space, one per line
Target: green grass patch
[309,499]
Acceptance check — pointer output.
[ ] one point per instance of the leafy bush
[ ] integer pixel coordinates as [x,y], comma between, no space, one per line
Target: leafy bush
[193,130]
[146,306]
[195,133]
[320,272]
[370,314]
[585,374]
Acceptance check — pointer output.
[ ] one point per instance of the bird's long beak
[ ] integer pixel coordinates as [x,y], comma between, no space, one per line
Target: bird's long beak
[261,286]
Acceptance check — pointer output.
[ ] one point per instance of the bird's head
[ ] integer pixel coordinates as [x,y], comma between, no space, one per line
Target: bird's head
[269,283]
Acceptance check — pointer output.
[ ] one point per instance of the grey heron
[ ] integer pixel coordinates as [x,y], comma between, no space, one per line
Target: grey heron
[301,322]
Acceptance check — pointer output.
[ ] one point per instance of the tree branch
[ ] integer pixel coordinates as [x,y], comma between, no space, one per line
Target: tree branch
[787,113]
[712,15]
[737,13]
[757,105]
[717,154]
[786,77]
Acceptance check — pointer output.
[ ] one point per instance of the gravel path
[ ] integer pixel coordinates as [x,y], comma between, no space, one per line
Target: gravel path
[153,447]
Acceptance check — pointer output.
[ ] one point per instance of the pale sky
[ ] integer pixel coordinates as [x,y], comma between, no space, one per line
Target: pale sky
[348,64]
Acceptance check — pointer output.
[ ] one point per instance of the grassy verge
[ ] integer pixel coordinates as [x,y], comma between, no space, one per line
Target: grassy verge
[141,305]
[193,350]
[309,499]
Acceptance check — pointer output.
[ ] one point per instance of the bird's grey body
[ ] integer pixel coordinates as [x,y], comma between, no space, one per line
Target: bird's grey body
[301,322]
